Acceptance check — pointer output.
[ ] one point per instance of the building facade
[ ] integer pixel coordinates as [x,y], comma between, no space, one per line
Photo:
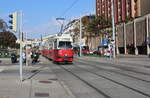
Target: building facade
[123,9]
[131,36]
[87,38]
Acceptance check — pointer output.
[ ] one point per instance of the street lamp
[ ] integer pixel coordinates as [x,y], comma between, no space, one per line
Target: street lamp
[62,24]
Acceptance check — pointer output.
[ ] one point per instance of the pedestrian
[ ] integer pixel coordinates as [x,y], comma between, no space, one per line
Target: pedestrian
[24,57]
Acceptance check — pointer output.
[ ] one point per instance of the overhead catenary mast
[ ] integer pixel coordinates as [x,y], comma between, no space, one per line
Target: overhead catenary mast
[113,29]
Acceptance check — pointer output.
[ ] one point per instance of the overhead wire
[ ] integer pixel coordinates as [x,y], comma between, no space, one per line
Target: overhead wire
[69,8]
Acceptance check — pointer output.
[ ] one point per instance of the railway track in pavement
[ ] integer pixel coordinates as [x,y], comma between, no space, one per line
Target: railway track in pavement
[96,81]
[117,70]
[86,82]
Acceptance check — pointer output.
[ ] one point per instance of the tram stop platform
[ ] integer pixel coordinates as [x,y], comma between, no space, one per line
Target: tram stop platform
[38,82]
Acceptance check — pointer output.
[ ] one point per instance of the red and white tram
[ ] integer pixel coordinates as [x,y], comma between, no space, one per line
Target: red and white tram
[58,48]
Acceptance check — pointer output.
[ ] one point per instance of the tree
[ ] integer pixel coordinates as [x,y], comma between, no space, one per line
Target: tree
[98,25]
[7,39]
[85,21]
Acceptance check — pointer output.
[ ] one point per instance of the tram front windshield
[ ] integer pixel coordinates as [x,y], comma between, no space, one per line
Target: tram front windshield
[64,45]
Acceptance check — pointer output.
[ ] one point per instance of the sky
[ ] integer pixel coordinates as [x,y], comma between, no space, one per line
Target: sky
[39,16]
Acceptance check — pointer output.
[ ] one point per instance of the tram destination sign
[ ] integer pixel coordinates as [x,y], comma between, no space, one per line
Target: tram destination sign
[64,39]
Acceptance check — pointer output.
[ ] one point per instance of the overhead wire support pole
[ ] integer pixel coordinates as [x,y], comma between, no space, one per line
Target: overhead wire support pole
[80,35]
[113,29]
[147,35]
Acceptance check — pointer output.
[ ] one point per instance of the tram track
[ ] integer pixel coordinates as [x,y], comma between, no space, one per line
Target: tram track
[104,77]
[117,72]
[118,66]
[119,83]
[86,82]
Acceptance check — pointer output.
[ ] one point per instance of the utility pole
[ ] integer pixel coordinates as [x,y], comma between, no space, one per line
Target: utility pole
[80,35]
[113,29]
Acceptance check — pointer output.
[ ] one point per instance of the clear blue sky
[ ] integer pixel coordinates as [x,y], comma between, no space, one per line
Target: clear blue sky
[39,15]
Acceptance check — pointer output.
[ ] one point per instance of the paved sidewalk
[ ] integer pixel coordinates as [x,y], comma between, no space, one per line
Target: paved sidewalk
[39,82]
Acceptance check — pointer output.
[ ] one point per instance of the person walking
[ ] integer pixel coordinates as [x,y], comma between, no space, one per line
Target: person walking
[24,57]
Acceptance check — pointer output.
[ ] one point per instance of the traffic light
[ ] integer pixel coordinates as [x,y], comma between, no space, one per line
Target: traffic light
[13,21]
